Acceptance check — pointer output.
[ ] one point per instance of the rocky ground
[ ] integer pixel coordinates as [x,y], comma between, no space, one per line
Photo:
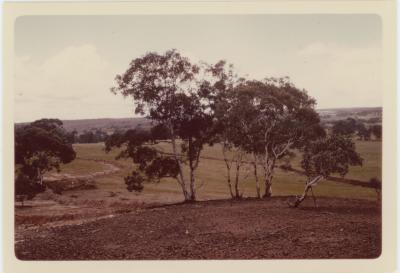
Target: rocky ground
[225,229]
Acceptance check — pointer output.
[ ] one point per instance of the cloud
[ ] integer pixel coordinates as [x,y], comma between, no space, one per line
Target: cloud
[343,76]
[74,83]
[337,76]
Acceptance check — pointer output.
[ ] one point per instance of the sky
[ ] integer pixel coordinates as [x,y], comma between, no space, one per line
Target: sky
[66,65]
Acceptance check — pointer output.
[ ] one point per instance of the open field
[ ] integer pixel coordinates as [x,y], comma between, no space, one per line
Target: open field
[211,175]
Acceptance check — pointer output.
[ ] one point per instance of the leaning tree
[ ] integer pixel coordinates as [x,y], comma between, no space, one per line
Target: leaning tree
[39,147]
[167,88]
[326,156]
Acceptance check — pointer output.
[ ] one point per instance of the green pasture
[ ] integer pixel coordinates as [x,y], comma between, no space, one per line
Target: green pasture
[211,174]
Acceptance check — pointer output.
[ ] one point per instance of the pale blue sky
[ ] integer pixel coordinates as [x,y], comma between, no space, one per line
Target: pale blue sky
[66,64]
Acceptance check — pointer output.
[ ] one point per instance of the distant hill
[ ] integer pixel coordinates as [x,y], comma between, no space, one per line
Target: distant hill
[371,115]
[110,125]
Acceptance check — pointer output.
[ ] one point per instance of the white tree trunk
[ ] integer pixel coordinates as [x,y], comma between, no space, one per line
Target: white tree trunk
[308,187]
[181,178]
[237,191]
[258,190]
[228,170]
[192,196]
[268,175]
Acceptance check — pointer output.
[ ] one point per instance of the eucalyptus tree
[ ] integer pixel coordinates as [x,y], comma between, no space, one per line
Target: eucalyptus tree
[241,128]
[227,115]
[326,156]
[279,118]
[40,147]
[173,93]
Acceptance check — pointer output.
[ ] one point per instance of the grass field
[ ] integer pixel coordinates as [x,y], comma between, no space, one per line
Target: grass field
[211,175]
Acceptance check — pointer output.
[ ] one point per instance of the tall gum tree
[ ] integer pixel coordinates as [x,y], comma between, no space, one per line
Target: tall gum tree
[168,89]
[282,118]
[239,128]
[227,132]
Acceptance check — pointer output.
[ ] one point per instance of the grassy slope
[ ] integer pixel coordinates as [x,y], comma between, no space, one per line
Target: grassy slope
[211,175]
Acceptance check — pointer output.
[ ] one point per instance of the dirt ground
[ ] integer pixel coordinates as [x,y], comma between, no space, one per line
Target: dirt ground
[225,229]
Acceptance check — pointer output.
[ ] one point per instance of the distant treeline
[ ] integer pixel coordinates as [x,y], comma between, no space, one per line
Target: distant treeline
[92,136]
[356,127]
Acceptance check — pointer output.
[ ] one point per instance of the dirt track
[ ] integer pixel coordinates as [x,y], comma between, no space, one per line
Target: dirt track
[248,229]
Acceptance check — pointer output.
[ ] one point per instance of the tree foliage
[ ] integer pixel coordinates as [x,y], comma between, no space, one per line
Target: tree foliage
[326,156]
[271,117]
[350,126]
[91,136]
[39,147]
[346,127]
[151,163]
[377,131]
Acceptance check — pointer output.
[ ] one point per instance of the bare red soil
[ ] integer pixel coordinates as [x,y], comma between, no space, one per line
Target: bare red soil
[224,229]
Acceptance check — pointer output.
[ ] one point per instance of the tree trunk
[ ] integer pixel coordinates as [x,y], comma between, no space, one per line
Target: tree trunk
[237,192]
[230,184]
[268,189]
[192,181]
[308,187]
[192,185]
[228,171]
[258,190]
[40,176]
[181,178]
[268,169]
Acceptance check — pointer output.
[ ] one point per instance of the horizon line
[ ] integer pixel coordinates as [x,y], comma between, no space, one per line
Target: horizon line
[133,117]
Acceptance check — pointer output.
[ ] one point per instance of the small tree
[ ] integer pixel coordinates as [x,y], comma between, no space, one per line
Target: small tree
[377,131]
[346,127]
[325,156]
[362,132]
[376,183]
[39,147]
[26,188]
